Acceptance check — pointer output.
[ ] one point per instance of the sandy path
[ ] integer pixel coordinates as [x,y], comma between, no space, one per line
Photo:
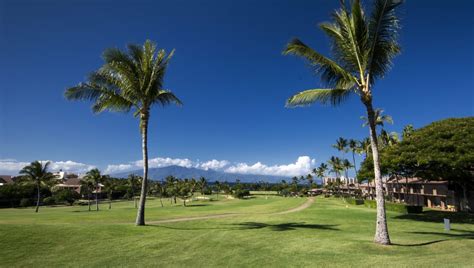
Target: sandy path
[225,215]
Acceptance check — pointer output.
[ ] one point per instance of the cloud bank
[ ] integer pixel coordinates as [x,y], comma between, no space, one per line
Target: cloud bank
[12,166]
[302,166]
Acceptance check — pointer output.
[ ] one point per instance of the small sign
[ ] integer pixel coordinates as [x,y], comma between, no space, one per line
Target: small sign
[447,225]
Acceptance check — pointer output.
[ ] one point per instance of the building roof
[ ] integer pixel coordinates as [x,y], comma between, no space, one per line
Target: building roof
[415,181]
[7,179]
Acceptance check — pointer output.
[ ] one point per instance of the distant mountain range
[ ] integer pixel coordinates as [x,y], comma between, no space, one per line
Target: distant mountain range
[210,175]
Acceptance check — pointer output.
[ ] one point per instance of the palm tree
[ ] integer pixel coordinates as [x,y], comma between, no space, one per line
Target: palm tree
[363,48]
[309,178]
[109,187]
[387,139]
[336,165]
[217,186]
[321,170]
[202,184]
[380,119]
[341,145]
[346,165]
[95,178]
[354,148]
[133,182]
[86,189]
[126,81]
[38,173]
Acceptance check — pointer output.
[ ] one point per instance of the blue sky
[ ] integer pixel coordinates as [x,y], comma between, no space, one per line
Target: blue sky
[229,72]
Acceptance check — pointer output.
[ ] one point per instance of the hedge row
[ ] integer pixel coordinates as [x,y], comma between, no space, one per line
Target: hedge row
[397,207]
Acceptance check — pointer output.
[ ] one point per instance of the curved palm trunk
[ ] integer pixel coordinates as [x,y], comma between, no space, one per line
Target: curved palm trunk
[38,199]
[144,130]
[381,229]
[89,200]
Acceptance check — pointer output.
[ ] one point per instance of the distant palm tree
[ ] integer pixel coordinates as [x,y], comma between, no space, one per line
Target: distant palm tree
[87,187]
[346,165]
[309,178]
[95,178]
[133,182]
[354,148]
[126,81]
[336,166]
[38,173]
[321,170]
[363,49]
[380,119]
[109,188]
[341,145]
[202,184]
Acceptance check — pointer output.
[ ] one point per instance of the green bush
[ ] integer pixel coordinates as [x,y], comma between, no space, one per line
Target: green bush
[66,196]
[415,209]
[48,200]
[397,207]
[241,193]
[25,202]
[354,201]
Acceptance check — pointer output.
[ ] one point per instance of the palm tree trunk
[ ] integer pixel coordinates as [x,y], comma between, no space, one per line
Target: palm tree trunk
[96,199]
[38,199]
[110,201]
[381,229]
[89,200]
[144,130]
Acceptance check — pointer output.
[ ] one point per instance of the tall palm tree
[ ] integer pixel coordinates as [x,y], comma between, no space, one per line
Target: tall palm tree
[202,184]
[363,48]
[38,173]
[321,170]
[126,81]
[341,145]
[95,178]
[380,119]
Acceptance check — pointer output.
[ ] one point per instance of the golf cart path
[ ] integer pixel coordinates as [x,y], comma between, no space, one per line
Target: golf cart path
[303,206]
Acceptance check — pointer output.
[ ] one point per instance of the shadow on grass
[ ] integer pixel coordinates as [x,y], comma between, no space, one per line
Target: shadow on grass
[451,236]
[197,205]
[255,225]
[284,226]
[438,216]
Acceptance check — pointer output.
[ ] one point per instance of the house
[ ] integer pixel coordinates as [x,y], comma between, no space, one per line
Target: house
[72,183]
[6,179]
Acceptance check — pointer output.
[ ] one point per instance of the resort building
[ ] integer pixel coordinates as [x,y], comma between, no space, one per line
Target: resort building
[418,192]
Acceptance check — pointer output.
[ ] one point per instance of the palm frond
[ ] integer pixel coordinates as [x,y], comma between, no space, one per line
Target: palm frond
[331,73]
[323,96]
[383,34]
[165,97]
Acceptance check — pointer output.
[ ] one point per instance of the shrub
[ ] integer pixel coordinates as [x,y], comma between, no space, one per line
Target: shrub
[414,209]
[48,200]
[397,207]
[25,202]
[370,203]
[67,196]
[241,193]
[354,201]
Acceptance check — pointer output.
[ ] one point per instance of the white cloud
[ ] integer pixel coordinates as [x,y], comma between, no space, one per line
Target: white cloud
[213,164]
[152,163]
[12,166]
[302,166]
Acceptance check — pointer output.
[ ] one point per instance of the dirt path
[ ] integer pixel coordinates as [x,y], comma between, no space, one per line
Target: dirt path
[225,215]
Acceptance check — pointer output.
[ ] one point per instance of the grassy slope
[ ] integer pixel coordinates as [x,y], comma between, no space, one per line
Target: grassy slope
[327,233]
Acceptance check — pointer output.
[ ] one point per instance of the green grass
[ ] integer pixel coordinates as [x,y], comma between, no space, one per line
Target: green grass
[330,232]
